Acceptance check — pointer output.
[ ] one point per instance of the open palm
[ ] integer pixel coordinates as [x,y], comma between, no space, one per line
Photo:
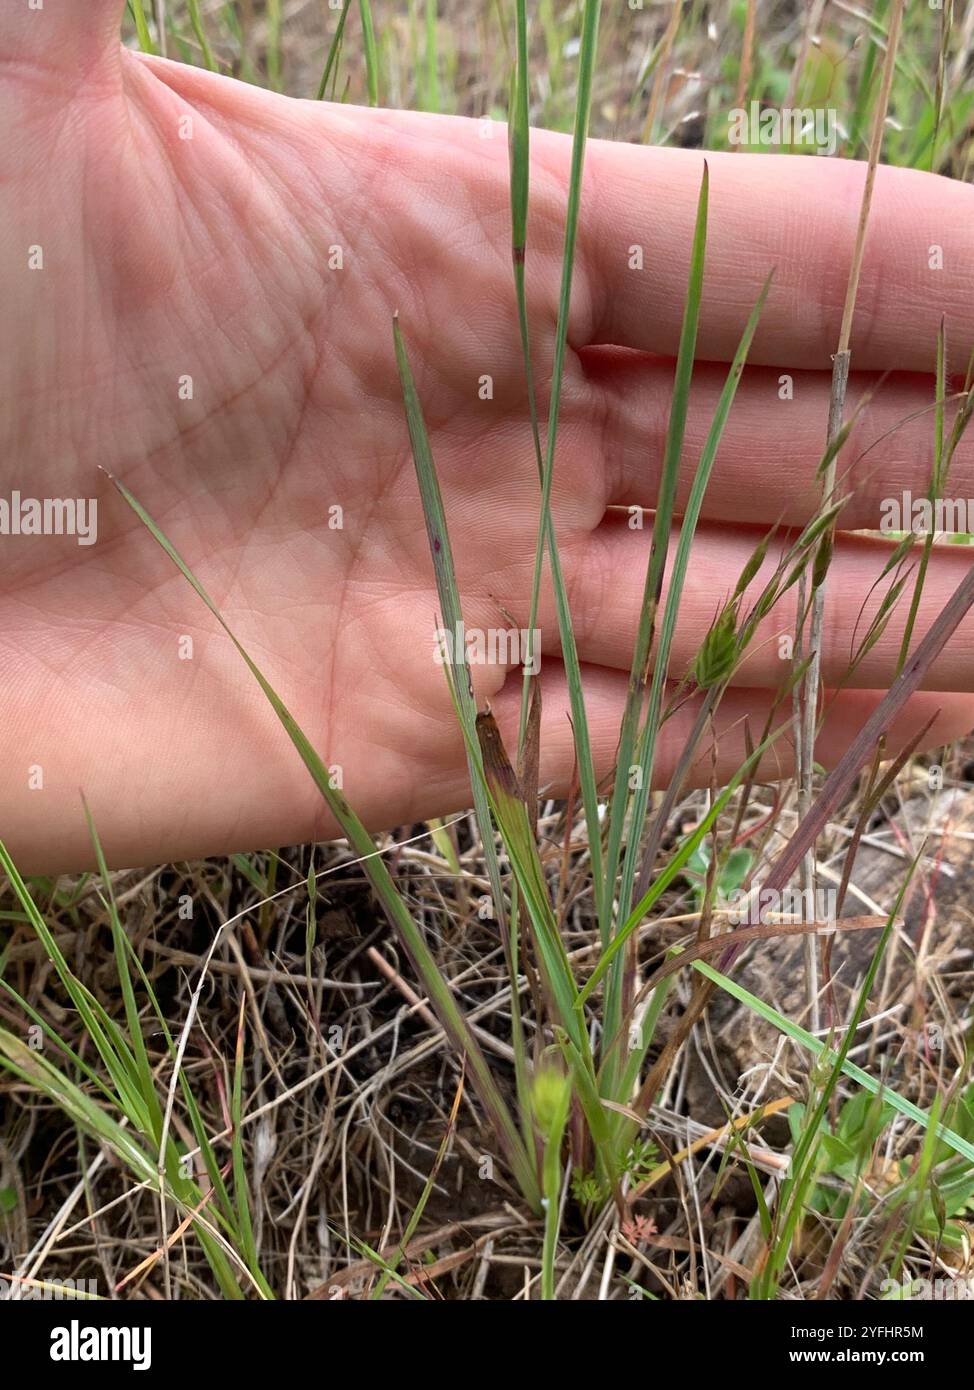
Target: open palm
[200,279]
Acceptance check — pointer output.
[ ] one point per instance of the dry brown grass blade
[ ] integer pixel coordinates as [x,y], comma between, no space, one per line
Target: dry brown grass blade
[662,70]
[747,53]
[763,932]
[808,698]
[704,989]
[530,761]
[840,780]
[713,1136]
[364,1270]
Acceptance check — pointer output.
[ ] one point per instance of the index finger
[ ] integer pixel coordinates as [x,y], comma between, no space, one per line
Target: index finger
[796,213]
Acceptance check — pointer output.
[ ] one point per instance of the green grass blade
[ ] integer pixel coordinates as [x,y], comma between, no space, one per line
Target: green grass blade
[552,1117]
[112,1048]
[522,850]
[439,992]
[334,48]
[141,26]
[36,1070]
[196,20]
[245,1227]
[849,1069]
[708,456]
[371,54]
[802,1170]
[935,491]
[519,159]
[659,546]
[424,1196]
[60,1043]
[677,860]
[441,554]
[583,746]
[133,1022]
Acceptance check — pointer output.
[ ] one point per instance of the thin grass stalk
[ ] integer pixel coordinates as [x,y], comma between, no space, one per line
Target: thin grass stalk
[417,1213]
[677,860]
[444,570]
[141,26]
[747,54]
[133,1022]
[273,8]
[656,565]
[615,989]
[596,1117]
[159,9]
[458,674]
[936,489]
[808,708]
[371,54]
[822,1050]
[241,1176]
[432,67]
[681,561]
[519,148]
[199,29]
[801,1170]
[552,1179]
[815,9]
[441,997]
[583,747]
[507,803]
[334,48]
[940,91]
[943,457]
[519,155]
[627,804]
[661,60]
[519,135]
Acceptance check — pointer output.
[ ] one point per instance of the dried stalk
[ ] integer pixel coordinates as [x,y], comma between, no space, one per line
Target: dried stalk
[747,54]
[662,70]
[808,708]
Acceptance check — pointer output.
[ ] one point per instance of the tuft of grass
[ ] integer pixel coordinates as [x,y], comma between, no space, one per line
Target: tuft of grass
[382,884]
[586,966]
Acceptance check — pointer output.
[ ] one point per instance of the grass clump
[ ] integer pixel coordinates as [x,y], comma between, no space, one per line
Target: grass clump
[592,1019]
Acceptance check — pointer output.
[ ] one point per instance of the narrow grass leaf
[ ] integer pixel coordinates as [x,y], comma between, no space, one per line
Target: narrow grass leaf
[439,991]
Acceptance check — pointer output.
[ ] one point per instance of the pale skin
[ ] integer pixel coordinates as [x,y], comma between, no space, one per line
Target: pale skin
[208,257]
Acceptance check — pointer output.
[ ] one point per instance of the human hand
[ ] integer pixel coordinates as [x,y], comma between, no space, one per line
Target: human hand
[206,251]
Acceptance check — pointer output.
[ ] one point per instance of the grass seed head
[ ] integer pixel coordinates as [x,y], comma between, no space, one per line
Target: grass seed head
[548,1094]
[718,651]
